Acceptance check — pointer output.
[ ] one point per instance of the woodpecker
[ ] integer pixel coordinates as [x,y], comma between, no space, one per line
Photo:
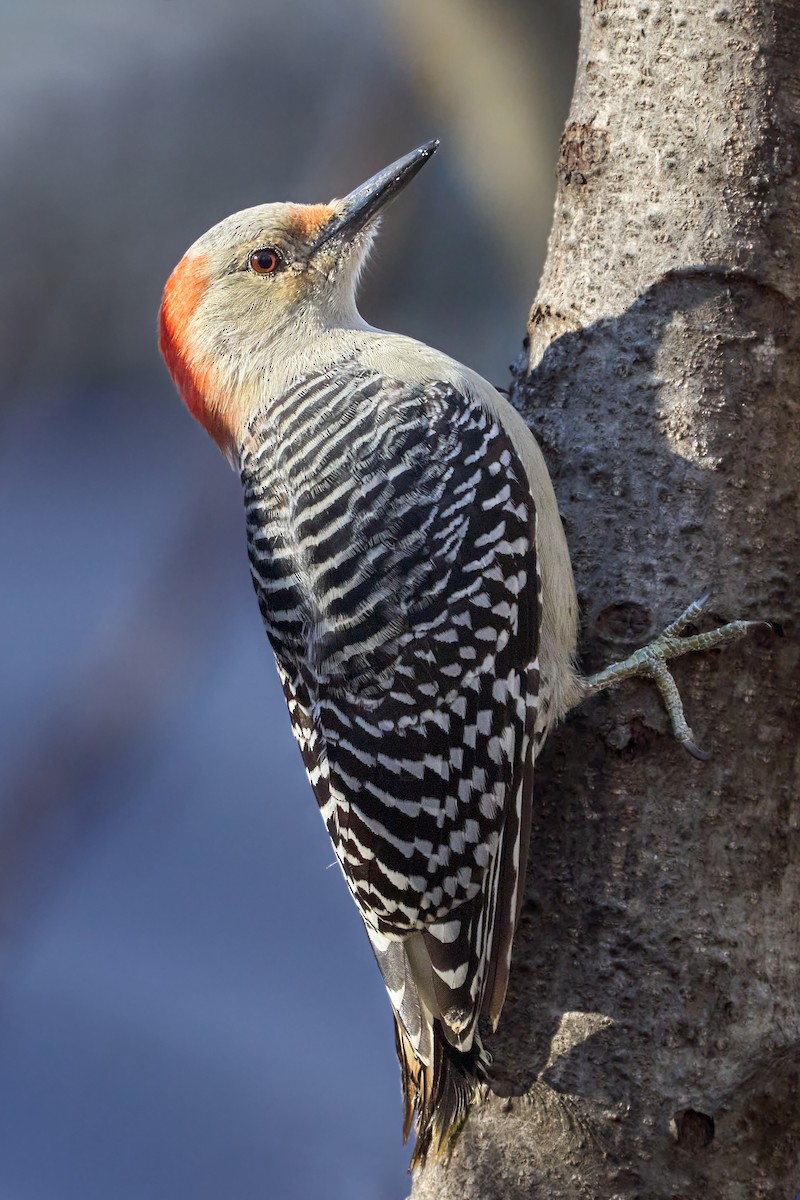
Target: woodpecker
[415,584]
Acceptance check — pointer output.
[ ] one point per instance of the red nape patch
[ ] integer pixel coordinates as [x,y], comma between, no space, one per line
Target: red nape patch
[182,295]
[306,220]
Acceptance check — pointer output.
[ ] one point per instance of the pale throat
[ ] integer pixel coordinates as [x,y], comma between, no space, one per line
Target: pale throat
[246,372]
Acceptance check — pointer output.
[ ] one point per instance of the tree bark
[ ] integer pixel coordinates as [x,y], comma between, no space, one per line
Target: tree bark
[650,1044]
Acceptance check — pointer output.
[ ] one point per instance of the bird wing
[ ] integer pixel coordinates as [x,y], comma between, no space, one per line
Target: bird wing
[393,548]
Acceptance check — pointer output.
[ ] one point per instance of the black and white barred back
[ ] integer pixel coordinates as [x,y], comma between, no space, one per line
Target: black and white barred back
[391,534]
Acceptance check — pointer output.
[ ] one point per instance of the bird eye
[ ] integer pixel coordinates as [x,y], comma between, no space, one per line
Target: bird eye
[265,261]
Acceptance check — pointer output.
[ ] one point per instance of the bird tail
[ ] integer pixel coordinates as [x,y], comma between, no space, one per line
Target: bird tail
[440,1092]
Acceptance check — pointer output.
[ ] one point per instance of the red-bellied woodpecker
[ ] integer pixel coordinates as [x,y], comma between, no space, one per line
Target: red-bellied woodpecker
[415,584]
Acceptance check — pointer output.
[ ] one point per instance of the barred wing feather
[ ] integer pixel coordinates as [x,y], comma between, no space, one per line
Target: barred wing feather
[392,545]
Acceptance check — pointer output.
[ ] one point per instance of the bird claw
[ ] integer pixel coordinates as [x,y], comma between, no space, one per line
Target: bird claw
[651,662]
[764,633]
[676,627]
[695,750]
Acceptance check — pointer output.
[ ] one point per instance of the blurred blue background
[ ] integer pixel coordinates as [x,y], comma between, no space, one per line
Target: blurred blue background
[188,1003]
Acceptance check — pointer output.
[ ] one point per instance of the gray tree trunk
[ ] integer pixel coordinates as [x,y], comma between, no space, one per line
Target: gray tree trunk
[651,1039]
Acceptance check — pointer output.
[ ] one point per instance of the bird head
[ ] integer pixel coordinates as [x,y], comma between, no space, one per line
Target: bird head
[260,286]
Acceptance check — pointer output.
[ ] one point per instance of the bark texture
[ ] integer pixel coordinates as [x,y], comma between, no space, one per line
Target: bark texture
[650,1045]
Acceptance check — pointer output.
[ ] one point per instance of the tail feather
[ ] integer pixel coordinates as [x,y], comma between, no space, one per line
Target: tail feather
[438,1093]
[443,1068]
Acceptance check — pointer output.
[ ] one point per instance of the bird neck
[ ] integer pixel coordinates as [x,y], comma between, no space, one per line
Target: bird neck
[225,388]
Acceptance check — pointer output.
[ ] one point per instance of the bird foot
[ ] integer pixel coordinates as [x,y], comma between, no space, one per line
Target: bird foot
[651,663]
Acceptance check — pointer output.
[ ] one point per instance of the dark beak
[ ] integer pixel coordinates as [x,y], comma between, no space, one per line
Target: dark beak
[356,210]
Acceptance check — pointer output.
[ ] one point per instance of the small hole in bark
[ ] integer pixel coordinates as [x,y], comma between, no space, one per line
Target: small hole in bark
[630,736]
[692,1130]
[619,736]
[626,621]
